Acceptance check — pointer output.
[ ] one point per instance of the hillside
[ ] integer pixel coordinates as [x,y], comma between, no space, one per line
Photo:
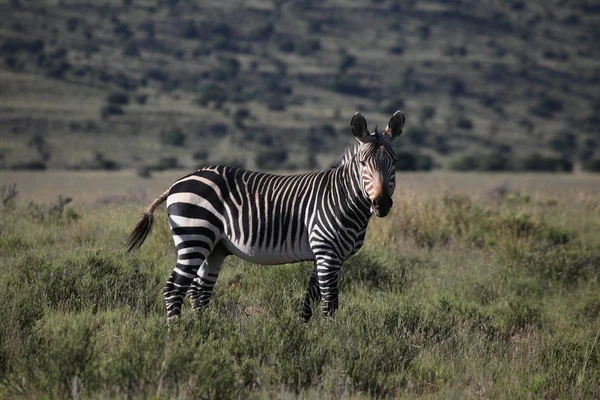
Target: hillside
[273,84]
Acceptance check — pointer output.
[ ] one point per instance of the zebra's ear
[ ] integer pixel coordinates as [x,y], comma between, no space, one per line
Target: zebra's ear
[359,126]
[394,128]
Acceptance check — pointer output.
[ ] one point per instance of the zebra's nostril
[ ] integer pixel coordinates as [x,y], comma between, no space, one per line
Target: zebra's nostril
[376,201]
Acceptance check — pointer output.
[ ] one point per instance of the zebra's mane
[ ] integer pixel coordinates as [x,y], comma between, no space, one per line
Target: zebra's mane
[348,154]
[375,140]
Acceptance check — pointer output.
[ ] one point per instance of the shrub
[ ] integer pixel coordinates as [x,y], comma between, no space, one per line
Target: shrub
[228,68]
[122,31]
[189,30]
[286,45]
[396,49]
[58,70]
[426,113]
[418,135]
[172,137]
[156,74]
[165,163]
[211,93]
[218,130]
[464,123]
[262,32]
[141,99]
[495,161]
[271,159]
[592,165]
[348,85]
[240,115]
[16,45]
[467,162]
[118,99]
[348,61]
[36,165]
[538,162]
[413,161]
[308,47]
[457,87]
[201,155]
[546,107]
[564,143]
[131,49]
[102,163]
[111,109]
[424,32]
[276,103]
[391,105]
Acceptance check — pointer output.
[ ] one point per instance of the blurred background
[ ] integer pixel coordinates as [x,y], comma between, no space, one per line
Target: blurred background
[272,84]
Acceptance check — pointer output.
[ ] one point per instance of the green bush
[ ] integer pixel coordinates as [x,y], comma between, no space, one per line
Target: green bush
[35,165]
[413,161]
[464,123]
[111,109]
[172,137]
[592,165]
[491,161]
[541,163]
[212,93]
[131,49]
[165,163]
[118,99]
[547,107]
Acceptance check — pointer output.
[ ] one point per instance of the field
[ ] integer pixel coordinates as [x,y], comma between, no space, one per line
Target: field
[475,286]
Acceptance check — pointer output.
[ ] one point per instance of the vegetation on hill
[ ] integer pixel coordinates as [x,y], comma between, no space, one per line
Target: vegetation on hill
[136,81]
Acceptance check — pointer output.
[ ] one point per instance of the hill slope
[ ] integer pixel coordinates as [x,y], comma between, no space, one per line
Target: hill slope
[182,83]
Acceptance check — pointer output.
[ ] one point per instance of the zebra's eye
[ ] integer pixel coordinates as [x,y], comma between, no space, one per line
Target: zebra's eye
[363,163]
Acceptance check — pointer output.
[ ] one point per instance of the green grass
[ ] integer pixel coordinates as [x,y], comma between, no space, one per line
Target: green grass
[453,296]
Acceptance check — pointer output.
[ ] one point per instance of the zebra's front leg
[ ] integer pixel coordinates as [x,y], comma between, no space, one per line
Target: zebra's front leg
[328,270]
[312,294]
[202,287]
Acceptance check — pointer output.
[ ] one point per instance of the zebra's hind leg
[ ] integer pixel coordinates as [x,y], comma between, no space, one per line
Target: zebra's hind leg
[202,287]
[189,260]
[312,294]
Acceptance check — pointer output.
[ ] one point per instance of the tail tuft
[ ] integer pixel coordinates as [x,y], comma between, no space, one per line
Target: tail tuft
[140,232]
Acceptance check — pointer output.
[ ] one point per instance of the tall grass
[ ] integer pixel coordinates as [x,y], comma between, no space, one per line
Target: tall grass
[452,296]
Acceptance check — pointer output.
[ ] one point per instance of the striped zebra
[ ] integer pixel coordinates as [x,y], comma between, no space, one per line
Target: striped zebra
[321,216]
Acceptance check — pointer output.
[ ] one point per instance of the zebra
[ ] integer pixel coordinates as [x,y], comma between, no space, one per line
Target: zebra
[320,216]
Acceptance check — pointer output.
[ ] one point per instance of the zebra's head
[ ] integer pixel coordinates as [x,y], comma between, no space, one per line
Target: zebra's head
[377,158]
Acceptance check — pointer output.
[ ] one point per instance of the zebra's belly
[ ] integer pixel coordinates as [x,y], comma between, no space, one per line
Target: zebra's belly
[280,255]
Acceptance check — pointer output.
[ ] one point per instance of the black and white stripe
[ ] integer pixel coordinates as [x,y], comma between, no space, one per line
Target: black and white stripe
[273,219]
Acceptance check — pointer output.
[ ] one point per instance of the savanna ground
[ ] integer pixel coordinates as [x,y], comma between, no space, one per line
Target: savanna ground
[475,286]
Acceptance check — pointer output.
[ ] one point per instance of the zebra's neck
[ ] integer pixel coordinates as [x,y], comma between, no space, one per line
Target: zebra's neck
[352,187]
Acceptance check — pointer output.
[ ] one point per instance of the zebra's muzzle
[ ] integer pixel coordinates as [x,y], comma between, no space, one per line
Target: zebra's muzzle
[381,206]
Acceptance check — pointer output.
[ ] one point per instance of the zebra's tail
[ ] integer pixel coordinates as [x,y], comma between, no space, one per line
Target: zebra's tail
[144,225]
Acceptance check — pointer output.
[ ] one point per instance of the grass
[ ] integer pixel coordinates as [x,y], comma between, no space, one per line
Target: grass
[453,296]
